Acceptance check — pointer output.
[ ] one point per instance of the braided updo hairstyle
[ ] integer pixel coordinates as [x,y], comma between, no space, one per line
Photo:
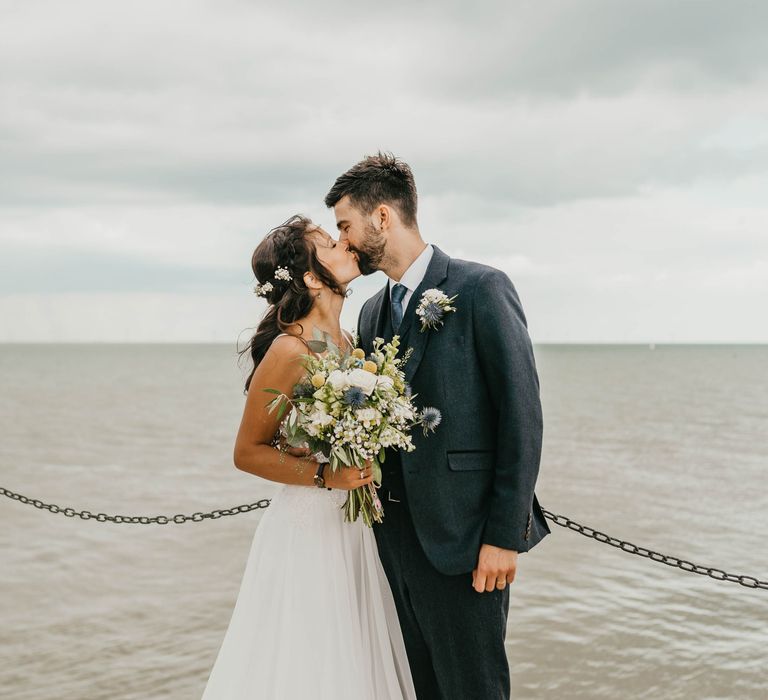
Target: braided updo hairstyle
[289,246]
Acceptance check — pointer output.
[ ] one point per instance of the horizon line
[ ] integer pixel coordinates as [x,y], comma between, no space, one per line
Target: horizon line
[650,343]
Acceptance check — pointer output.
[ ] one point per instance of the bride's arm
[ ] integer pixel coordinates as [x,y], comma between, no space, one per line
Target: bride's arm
[280,369]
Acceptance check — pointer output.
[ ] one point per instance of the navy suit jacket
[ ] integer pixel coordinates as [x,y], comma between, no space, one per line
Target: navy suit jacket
[472,480]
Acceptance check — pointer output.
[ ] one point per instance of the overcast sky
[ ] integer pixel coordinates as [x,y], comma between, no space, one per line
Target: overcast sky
[611,157]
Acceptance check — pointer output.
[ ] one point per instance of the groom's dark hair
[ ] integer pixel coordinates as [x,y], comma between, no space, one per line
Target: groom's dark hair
[379,179]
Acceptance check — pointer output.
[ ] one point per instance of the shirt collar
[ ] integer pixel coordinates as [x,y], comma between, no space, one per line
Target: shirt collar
[413,276]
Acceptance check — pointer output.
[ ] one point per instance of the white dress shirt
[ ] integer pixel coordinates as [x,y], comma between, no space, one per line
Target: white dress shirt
[413,276]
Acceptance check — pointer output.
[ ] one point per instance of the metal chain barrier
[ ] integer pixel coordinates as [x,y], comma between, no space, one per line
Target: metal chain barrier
[717,574]
[136,519]
[563,521]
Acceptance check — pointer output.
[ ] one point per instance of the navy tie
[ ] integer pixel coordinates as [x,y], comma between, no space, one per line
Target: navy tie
[398,292]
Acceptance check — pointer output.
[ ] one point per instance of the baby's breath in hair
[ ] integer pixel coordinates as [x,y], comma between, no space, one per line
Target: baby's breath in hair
[262,290]
[283,273]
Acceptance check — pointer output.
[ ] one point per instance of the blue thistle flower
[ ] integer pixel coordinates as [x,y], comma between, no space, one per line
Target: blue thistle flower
[430,418]
[432,314]
[354,397]
[303,391]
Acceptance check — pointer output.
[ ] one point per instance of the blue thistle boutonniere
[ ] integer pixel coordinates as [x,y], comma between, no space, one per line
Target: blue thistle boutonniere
[430,419]
[433,306]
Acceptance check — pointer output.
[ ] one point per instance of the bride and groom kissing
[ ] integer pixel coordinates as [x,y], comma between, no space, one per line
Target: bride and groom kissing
[415,606]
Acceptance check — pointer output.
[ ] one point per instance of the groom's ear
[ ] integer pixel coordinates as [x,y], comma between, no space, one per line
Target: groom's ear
[382,217]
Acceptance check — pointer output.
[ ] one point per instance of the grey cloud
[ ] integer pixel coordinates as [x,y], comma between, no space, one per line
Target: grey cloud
[56,270]
[609,153]
[244,105]
[516,168]
[601,47]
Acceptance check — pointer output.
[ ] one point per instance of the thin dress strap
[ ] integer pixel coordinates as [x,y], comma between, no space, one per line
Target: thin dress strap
[347,337]
[301,339]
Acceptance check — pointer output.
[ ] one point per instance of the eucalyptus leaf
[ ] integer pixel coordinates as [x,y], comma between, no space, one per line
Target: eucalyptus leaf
[317,345]
[329,341]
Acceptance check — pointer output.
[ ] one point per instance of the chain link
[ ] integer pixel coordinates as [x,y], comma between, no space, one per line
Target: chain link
[136,519]
[717,574]
[563,521]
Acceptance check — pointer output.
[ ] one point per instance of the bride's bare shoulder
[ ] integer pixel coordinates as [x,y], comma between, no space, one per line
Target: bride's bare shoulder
[283,360]
[287,347]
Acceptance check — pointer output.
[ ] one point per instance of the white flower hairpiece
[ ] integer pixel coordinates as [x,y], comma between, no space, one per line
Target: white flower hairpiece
[262,290]
[281,273]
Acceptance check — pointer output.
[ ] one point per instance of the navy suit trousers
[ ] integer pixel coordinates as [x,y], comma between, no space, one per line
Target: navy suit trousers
[454,636]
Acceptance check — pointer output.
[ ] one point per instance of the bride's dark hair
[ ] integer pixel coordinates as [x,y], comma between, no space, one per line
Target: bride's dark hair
[288,246]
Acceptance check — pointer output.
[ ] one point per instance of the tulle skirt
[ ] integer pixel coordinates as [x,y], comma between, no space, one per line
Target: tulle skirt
[314,617]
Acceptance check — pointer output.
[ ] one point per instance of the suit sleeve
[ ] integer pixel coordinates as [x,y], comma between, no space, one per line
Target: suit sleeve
[506,359]
[359,319]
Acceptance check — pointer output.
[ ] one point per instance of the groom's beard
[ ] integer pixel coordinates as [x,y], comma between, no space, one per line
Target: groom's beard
[371,252]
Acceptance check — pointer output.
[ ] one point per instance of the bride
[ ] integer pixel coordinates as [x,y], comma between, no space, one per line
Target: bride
[314,617]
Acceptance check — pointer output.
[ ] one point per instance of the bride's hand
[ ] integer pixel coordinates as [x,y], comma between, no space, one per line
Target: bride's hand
[348,478]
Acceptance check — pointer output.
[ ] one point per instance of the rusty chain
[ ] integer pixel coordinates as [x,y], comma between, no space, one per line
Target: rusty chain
[563,521]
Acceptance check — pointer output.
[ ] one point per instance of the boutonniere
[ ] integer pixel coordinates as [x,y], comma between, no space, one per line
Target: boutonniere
[433,306]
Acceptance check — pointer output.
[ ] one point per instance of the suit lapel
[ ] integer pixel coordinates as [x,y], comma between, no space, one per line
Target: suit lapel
[437,272]
[374,325]
[410,330]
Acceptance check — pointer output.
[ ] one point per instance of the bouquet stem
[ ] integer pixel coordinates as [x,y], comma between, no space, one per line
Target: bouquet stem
[364,502]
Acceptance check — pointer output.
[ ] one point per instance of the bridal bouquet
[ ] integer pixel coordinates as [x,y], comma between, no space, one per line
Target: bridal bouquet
[349,408]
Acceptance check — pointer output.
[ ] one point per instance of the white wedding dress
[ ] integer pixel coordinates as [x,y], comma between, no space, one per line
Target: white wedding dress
[314,618]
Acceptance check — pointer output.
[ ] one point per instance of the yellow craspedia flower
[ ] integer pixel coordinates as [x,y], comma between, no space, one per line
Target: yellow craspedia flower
[317,380]
[359,353]
[370,366]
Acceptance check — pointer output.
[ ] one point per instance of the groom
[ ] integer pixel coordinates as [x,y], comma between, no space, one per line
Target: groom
[458,509]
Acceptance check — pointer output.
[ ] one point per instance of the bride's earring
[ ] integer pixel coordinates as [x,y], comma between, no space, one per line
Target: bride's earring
[348,292]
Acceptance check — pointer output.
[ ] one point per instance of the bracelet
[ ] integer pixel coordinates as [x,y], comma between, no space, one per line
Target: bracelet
[318,478]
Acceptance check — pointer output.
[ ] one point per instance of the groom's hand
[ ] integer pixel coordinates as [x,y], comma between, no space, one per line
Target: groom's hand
[496,568]
[295,451]
[299,451]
